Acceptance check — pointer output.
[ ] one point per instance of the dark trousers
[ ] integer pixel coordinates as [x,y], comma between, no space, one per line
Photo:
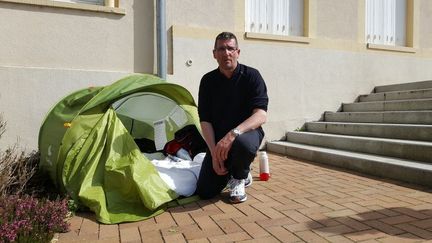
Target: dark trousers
[241,155]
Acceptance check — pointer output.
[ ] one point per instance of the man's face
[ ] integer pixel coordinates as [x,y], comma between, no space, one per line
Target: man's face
[226,53]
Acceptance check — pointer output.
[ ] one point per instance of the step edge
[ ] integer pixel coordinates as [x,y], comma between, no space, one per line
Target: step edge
[373,124]
[418,83]
[377,112]
[398,141]
[386,101]
[399,91]
[370,157]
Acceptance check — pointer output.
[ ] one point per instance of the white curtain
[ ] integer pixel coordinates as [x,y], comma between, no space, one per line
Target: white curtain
[386,22]
[277,17]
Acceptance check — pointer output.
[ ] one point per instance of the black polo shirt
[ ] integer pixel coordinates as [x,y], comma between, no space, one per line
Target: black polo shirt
[225,103]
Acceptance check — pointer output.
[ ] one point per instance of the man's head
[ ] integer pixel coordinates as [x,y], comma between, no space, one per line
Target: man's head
[226,36]
[226,51]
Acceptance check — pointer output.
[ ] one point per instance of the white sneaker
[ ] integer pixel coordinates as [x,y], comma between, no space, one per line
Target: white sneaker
[248,181]
[238,193]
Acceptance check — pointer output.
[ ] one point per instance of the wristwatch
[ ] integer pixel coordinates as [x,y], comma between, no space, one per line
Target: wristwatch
[236,132]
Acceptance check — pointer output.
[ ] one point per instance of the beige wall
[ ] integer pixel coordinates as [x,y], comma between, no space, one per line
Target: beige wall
[425,24]
[336,19]
[46,53]
[204,13]
[34,36]
[27,94]
[302,81]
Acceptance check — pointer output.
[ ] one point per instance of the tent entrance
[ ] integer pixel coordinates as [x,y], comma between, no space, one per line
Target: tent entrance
[151,117]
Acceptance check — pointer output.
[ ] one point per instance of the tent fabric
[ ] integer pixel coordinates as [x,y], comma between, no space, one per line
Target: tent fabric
[52,131]
[133,84]
[95,159]
[105,165]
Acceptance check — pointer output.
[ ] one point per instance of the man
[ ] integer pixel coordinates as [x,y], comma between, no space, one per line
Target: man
[232,106]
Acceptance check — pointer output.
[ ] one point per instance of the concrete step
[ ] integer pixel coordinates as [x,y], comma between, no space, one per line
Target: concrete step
[394,131]
[386,167]
[397,95]
[398,105]
[401,117]
[404,149]
[404,86]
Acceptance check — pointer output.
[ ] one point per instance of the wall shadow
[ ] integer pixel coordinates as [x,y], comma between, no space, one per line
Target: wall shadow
[353,172]
[400,222]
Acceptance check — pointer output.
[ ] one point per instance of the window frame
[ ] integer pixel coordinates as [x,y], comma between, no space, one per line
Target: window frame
[90,2]
[411,29]
[306,27]
[110,6]
[385,22]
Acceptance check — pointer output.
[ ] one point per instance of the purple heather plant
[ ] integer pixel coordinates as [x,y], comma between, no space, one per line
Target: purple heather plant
[27,219]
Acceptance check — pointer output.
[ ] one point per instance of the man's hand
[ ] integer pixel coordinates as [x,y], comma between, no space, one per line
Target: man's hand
[221,150]
[219,166]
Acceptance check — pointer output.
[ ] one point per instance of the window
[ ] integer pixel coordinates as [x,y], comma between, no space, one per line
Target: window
[276,17]
[95,2]
[386,22]
[107,6]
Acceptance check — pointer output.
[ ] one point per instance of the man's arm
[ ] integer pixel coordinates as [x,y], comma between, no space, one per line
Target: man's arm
[258,117]
[208,134]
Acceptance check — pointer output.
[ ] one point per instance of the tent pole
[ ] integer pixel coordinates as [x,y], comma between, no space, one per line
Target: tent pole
[161,38]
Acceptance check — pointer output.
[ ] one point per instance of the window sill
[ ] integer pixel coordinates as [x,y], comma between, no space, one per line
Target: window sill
[391,48]
[77,6]
[296,39]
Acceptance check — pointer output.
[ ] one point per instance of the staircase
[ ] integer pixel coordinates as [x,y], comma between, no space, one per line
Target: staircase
[387,133]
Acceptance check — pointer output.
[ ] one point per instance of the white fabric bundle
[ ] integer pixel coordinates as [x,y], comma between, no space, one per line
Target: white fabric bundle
[180,175]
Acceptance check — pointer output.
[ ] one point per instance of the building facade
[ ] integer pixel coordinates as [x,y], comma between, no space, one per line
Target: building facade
[313,54]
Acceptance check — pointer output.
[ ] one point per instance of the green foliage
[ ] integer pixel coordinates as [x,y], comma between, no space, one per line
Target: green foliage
[298,129]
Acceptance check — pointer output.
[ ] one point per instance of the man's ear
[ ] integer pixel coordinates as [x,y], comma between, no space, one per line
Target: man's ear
[214,54]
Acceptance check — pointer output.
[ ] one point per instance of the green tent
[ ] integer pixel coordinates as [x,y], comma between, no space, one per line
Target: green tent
[88,145]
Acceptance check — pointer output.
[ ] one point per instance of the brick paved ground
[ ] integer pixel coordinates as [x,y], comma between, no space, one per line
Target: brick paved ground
[302,202]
